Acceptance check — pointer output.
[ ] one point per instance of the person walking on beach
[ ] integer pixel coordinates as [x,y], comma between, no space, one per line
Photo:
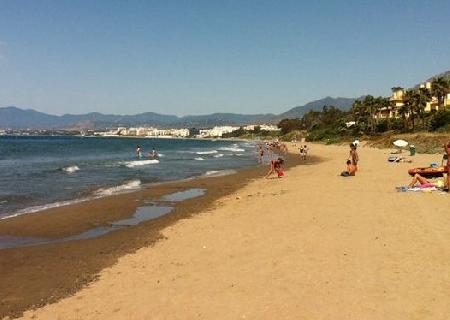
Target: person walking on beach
[354,157]
[276,166]
[303,152]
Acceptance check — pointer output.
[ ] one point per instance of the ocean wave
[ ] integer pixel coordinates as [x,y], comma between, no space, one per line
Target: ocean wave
[71,169]
[220,155]
[199,159]
[44,207]
[128,186]
[102,192]
[232,149]
[207,152]
[219,173]
[239,154]
[138,163]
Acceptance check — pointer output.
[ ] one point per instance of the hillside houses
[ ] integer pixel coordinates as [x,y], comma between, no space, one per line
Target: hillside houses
[398,100]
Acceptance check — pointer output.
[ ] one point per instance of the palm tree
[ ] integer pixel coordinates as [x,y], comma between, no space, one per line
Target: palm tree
[371,107]
[423,96]
[404,113]
[359,114]
[409,104]
[440,87]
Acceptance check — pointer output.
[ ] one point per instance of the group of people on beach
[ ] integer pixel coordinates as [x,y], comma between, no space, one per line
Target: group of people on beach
[419,180]
[303,151]
[268,149]
[271,150]
[151,155]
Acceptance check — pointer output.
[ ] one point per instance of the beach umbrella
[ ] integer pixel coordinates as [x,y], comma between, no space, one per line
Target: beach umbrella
[400,143]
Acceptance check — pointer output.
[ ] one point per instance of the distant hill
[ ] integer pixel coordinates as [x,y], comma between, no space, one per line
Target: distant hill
[297,112]
[445,74]
[15,118]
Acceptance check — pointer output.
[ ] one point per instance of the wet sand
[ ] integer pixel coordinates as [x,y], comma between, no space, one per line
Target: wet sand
[37,275]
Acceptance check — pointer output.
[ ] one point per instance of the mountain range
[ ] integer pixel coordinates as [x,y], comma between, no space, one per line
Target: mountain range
[16,118]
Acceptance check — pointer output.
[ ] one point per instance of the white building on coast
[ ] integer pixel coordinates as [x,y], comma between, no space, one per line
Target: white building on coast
[216,132]
[145,132]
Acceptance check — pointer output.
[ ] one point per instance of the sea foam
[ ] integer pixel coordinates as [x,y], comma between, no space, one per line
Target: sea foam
[232,149]
[219,173]
[138,163]
[207,152]
[71,169]
[127,186]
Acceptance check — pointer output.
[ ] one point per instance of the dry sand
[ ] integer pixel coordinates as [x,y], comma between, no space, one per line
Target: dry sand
[309,246]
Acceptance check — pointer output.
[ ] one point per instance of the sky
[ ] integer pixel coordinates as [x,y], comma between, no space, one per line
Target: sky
[199,57]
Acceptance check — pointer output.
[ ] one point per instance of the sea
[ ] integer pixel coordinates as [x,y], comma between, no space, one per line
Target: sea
[37,173]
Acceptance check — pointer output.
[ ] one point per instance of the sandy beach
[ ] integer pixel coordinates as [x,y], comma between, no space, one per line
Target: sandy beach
[312,245]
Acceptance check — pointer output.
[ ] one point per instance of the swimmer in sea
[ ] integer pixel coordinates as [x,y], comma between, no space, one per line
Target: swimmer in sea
[138,152]
[153,154]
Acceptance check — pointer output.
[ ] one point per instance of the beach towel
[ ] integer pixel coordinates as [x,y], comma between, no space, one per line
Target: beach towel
[417,189]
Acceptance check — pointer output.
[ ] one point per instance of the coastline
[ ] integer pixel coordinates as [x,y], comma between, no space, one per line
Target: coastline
[50,272]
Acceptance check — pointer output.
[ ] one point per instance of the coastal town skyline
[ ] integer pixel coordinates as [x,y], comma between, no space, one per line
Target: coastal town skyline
[58,57]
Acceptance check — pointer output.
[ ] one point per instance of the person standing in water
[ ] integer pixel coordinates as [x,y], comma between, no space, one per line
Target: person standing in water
[260,152]
[138,151]
[153,154]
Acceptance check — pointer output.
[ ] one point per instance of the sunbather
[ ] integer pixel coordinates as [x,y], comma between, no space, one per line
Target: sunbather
[418,180]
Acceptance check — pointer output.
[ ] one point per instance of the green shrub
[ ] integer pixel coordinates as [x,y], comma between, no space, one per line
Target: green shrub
[440,119]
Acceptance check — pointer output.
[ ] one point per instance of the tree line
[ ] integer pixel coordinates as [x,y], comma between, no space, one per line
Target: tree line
[364,117]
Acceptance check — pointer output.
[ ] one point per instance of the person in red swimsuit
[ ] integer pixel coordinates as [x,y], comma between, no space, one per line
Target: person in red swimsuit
[276,167]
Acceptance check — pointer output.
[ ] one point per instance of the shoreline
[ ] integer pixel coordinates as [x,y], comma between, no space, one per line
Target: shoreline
[45,269]
[144,186]
[312,245]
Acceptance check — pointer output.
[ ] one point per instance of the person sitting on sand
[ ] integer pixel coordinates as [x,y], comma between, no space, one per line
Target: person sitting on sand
[276,166]
[351,170]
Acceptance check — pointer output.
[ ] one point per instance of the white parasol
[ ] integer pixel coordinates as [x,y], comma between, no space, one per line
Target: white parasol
[400,143]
